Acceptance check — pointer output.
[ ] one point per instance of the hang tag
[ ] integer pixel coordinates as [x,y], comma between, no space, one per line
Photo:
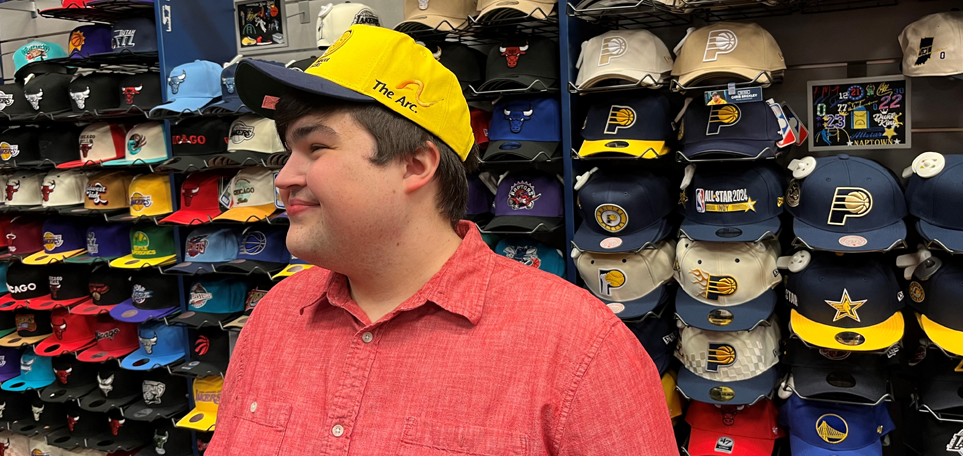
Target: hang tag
[733,96]
[687,177]
[788,137]
[796,123]
[226,199]
[583,178]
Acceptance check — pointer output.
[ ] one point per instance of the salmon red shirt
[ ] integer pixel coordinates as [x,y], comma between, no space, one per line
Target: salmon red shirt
[490,357]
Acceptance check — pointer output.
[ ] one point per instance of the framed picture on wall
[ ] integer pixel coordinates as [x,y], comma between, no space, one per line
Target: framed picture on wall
[860,113]
[260,24]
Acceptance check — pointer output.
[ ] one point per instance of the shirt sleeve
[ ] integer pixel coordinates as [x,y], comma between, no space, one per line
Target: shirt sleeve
[232,381]
[619,405]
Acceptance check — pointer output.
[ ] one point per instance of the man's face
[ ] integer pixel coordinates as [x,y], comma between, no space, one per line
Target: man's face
[715,97]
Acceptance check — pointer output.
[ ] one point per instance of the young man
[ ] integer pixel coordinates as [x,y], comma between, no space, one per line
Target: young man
[412,337]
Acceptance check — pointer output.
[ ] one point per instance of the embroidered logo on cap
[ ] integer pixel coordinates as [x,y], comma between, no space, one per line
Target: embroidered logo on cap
[832,428]
[141,295]
[12,187]
[6,100]
[175,82]
[722,116]
[522,196]
[612,47]
[34,99]
[242,191]
[254,243]
[96,193]
[52,241]
[610,279]
[516,119]
[153,391]
[241,132]
[106,385]
[736,200]
[139,201]
[714,286]
[108,334]
[719,42]
[86,144]
[845,307]
[202,345]
[199,296]
[849,202]
[8,151]
[228,84]
[136,143]
[26,322]
[80,97]
[620,117]
[512,53]
[55,286]
[956,443]
[148,343]
[197,245]
[130,92]
[141,245]
[525,254]
[720,355]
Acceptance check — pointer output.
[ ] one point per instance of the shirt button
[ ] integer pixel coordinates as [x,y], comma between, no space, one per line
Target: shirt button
[367,337]
[253,406]
[337,430]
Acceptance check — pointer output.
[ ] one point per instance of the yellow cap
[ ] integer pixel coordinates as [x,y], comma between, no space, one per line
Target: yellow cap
[150,196]
[870,338]
[946,338]
[207,396]
[290,270]
[371,64]
[672,397]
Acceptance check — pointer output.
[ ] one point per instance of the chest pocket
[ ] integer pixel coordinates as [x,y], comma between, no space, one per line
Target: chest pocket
[429,438]
[260,426]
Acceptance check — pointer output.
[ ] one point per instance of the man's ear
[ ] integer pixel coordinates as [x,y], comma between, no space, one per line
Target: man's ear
[421,166]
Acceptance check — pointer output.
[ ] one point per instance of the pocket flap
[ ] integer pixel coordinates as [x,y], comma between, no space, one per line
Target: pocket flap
[463,438]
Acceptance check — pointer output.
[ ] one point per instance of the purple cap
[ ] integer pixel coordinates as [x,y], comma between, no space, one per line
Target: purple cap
[9,363]
[154,296]
[88,40]
[528,201]
[105,242]
[479,200]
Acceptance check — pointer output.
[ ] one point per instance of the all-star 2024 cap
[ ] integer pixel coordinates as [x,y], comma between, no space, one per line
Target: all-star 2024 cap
[632,284]
[623,212]
[733,429]
[637,126]
[200,198]
[838,375]
[207,397]
[99,142]
[825,428]
[729,50]
[160,345]
[729,132]
[253,196]
[114,339]
[150,196]
[62,239]
[527,128]
[441,15]
[935,186]
[521,62]
[191,86]
[335,19]
[847,204]
[623,57]
[527,201]
[933,45]
[153,296]
[207,248]
[936,299]
[146,144]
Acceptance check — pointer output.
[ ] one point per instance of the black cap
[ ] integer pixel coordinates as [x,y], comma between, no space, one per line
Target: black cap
[68,282]
[169,441]
[14,406]
[48,94]
[58,144]
[140,91]
[12,101]
[43,417]
[161,291]
[209,355]
[837,375]
[163,397]
[519,61]
[74,379]
[95,92]
[80,425]
[124,434]
[40,68]
[929,436]
[24,282]
[940,382]
[468,64]
[20,147]
[303,64]
[658,336]
[196,140]
[107,288]
[116,387]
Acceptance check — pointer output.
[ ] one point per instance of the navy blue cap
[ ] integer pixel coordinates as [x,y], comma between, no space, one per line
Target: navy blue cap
[848,204]
[838,375]
[938,379]
[207,248]
[733,203]
[623,212]
[938,299]
[818,428]
[526,128]
[729,132]
[639,126]
[658,336]
[928,198]
[136,35]
[88,40]
[230,101]
[480,199]
[260,248]
[105,242]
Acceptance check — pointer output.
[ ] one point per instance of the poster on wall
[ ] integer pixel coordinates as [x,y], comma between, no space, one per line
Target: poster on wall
[260,24]
[860,113]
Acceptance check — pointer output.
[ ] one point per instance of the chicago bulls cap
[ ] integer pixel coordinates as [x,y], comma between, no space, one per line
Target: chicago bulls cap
[88,40]
[63,190]
[294,266]
[527,128]
[134,35]
[124,434]
[206,249]
[96,92]
[105,242]
[20,147]
[743,131]
[264,249]
[213,302]
[16,406]
[253,196]
[141,91]
[74,379]
[518,62]
[114,339]
[847,204]
[929,194]
[25,237]
[230,102]
[62,238]
[169,441]
[442,15]
[840,375]
[480,199]
[36,372]
[68,287]
[58,144]
[528,252]
[30,56]
[935,300]
[163,397]
[211,347]
[116,387]
[160,345]
[23,189]
[25,283]
[252,140]
[728,368]
[733,429]
[150,196]
[527,201]
[80,425]
[200,195]
[195,141]
[151,246]
[10,367]
[47,94]
[631,284]
[466,63]
[153,297]
[12,102]
[827,428]
[190,87]
[623,57]
[729,51]
[623,212]
[846,302]
[146,144]
[207,396]
[637,126]
[659,336]
[99,142]
[43,417]
[933,45]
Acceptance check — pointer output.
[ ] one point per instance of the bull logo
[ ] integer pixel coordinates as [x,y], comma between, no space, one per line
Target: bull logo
[80,98]
[160,441]
[47,189]
[512,53]
[63,375]
[149,343]
[516,119]
[115,425]
[58,330]
[175,82]
[188,192]
[522,196]
[849,202]
[106,384]
[85,148]
[714,286]
[12,187]
[37,411]
[130,92]
[524,254]
[720,355]
[719,42]
[229,84]
[34,99]
[153,391]
[6,100]
[136,143]
[72,421]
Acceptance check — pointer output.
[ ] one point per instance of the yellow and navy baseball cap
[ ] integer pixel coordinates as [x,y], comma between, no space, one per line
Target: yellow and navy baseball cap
[370,64]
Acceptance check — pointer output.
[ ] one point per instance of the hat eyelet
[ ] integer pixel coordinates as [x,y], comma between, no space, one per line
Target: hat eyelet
[737,260]
[700,262]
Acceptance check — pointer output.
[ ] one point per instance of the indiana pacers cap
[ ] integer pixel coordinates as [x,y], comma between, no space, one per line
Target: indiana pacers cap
[88,40]
[107,289]
[531,253]
[151,246]
[141,91]
[36,372]
[264,249]
[24,236]
[74,380]
[95,92]
[525,128]
[191,86]
[32,327]
[20,147]
[150,196]
[58,144]
[838,375]
[631,284]
[12,101]
[728,50]
[934,187]
[527,201]
[659,336]
[335,19]
[933,45]
[467,63]
[146,144]
[48,94]
[741,131]
[847,204]
[62,239]
[229,102]
[164,396]
[99,142]
[728,368]
[23,189]
[732,429]
[206,249]
[728,286]
[633,125]
[935,299]
[623,212]
[252,196]
[24,283]
[251,140]
[114,339]
[134,35]
[71,333]
[494,10]
[518,62]
[195,141]
[733,203]
[827,428]
[441,15]
[213,302]
[846,303]
[937,378]
[116,387]
[295,266]
[35,52]
[105,242]
[209,355]
[160,345]
[63,189]
[371,64]
[68,287]
[621,57]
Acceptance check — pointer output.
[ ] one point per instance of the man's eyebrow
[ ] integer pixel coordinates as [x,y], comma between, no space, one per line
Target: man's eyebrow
[299,133]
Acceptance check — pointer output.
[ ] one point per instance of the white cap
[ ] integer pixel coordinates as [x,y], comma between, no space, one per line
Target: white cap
[334,20]
[99,142]
[63,188]
[254,133]
[726,273]
[628,55]
[933,45]
[629,283]
[252,195]
[23,189]
[729,356]
[146,143]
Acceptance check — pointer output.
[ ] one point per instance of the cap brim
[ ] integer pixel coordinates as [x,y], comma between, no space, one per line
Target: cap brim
[516,81]
[59,394]
[247,214]
[96,402]
[940,395]
[132,218]
[14,339]
[751,232]
[624,76]
[638,307]
[630,147]
[875,338]
[812,382]
[704,442]
[800,447]
[96,355]
[48,303]
[432,22]
[18,383]
[126,312]
[71,441]
[141,411]
[946,338]
[185,164]
[139,360]
[589,240]
[8,303]
[53,347]
[199,420]
[239,322]
[521,150]
[536,10]
[201,319]
[42,258]
[182,105]
[250,267]
[233,105]
[200,369]
[523,223]
[88,259]
[110,443]
[193,267]
[721,149]
[256,80]
[291,269]
[139,161]
[91,309]
[240,158]
[744,391]
[949,240]
[191,217]
[745,316]
[83,163]
[882,239]
[129,262]
[701,74]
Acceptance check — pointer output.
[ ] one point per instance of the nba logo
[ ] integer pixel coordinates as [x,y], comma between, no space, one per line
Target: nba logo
[700,200]
[720,355]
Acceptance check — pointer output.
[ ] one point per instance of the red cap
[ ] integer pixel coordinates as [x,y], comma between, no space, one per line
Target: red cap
[66,4]
[200,195]
[118,135]
[4,230]
[70,333]
[736,430]
[480,120]
[114,339]
[24,236]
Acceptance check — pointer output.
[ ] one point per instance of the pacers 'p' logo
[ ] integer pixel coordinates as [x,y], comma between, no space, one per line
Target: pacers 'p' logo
[610,279]
[612,47]
[714,286]
[720,42]
[720,355]
[849,202]
[619,117]
[722,116]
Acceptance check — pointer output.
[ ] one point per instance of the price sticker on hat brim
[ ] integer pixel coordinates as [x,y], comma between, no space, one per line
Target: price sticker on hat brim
[852,241]
[610,243]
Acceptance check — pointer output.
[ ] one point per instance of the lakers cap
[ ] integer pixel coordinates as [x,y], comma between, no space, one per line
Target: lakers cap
[936,298]
[334,20]
[441,15]
[207,396]
[726,50]
[633,125]
[250,140]
[623,57]
[150,196]
[623,212]
[371,64]
[821,428]
[728,286]
[728,368]
[62,238]
[933,45]
[849,302]
[935,187]
[631,284]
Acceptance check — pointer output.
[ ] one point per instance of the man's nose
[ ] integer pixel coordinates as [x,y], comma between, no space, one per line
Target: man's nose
[294,172]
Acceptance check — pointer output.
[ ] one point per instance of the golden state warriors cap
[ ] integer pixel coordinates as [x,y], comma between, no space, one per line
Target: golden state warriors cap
[727,49]
[631,284]
[623,57]
[820,428]
[933,45]
[370,64]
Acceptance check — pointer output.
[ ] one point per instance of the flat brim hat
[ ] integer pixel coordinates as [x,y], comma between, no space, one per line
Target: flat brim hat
[186,164]
[239,322]
[129,262]
[748,74]
[521,150]
[515,81]
[946,338]
[740,317]
[91,308]
[431,22]
[16,340]
[199,420]
[184,104]
[96,354]
[524,222]
[252,266]
[727,393]
[128,313]
[630,147]
[42,258]
[753,232]
[8,303]
[65,439]
[948,239]
[140,360]
[517,8]
[96,402]
[248,213]
[291,269]
[142,411]
[193,267]
[870,338]
[881,239]
[588,239]
[48,302]
[836,374]
[22,383]
[60,394]
[192,217]
[233,105]
[200,319]
[748,148]
[200,368]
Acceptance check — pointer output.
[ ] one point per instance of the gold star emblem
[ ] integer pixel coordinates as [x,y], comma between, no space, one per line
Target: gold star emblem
[751,205]
[846,307]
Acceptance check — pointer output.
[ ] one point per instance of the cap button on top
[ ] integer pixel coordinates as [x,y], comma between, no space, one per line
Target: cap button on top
[843,157]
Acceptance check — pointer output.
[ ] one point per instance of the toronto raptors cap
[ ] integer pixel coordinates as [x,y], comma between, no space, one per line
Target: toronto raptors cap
[480,199]
[12,102]
[495,10]
[520,61]
[160,345]
[24,283]
[631,284]
[929,191]
[88,40]
[45,417]
[153,296]
[114,339]
[95,92]
[10,367]
[190,87]
[74,379]
[169,441]
[252,194]
[623,212]
[846,302]
[733,203]
[525,128]
[105,242]
[123,434]
[743,131]
[335,19]
[80,425]
[116,387]
[468,64]
[528,252]
[527,201]
[194,141]
[23,189]
[150,196]
[441,15]
[209,355]
[163,397]
[141,91]
[839,375]
[20,147]
[633,125]
[733,429]
[146,144]
[847,204]
[207,396]
[251,140]
[826,428]
[659,336]
[935,299]
[134,35]
[621,57]
[200,198]
[68,287]
[62,238]
[262,249]
[25,237]
[937,378]
[213,302]
[63,190]
[206,249]
[294,266]
[36,372]
[727,50]
[99,142]
[728,368]
[230,102]
[933,45]
[58,144]
[47,94]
